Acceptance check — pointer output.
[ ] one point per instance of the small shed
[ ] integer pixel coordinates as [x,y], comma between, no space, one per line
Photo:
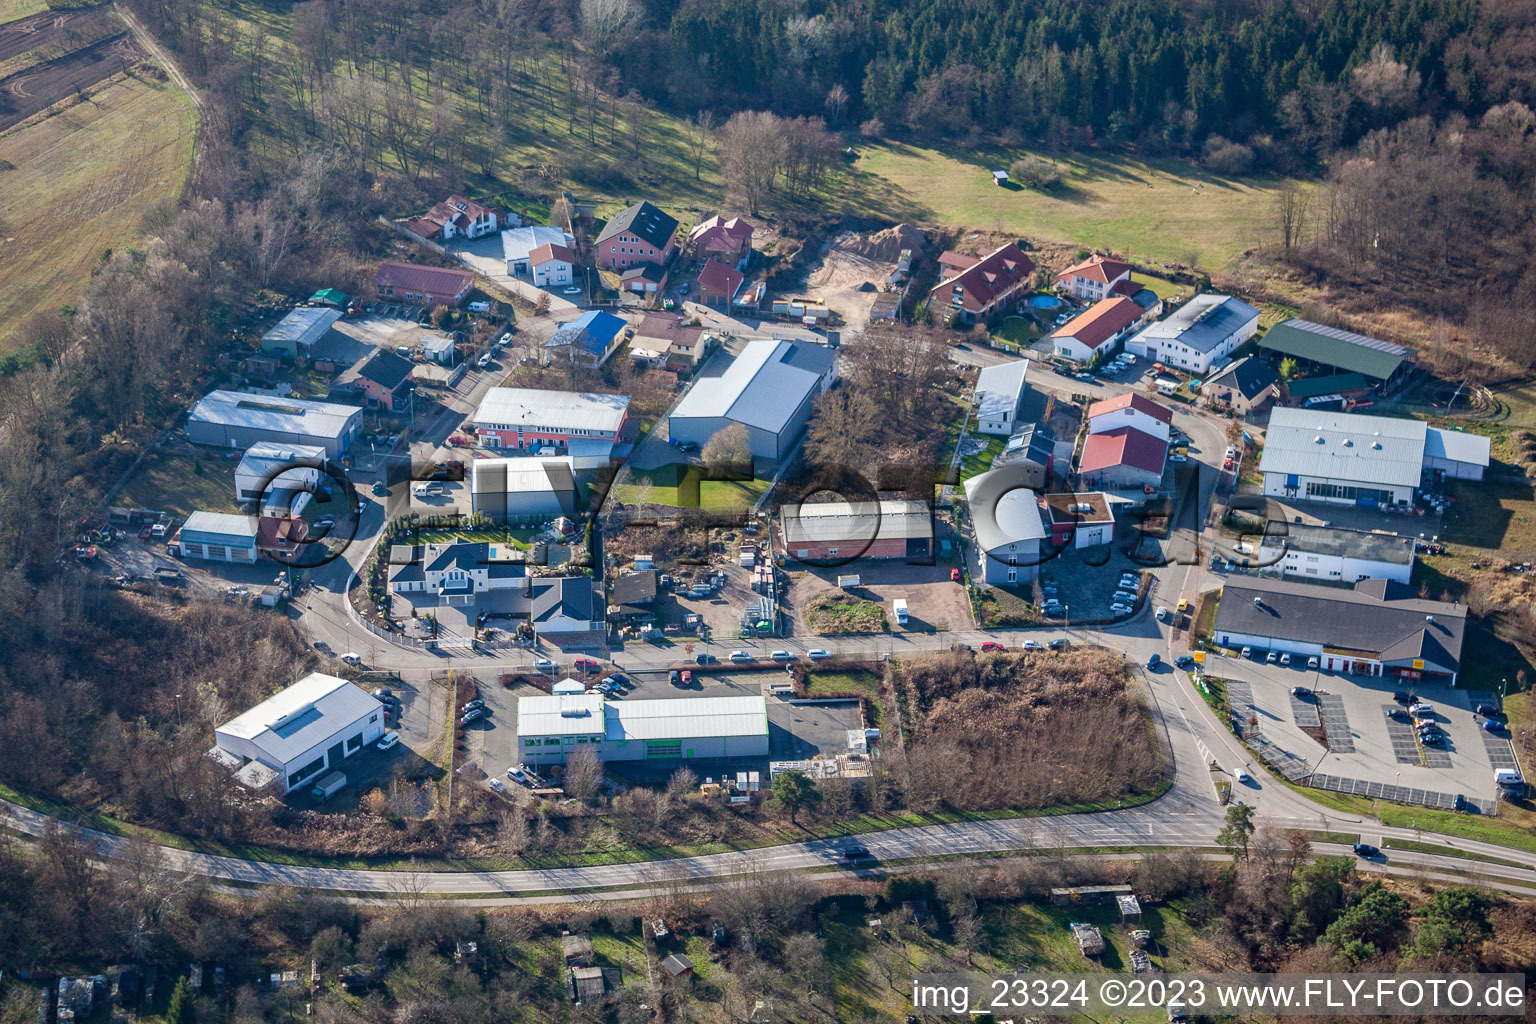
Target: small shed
[677,965]
[1088,939]
[565,686]
[999,178]
[1090,895]
[577,950]
[587,984]
[1130,907]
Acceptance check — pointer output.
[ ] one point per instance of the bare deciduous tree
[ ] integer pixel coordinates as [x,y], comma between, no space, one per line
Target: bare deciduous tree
[583,774]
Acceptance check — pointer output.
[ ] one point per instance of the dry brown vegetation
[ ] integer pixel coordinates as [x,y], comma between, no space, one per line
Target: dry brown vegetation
[1025,730]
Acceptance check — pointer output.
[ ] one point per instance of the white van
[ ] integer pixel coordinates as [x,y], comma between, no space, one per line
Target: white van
[483,361]
[1508,777]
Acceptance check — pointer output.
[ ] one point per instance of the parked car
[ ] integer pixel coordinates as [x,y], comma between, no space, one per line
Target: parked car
[675,677]
[390,739]
[687,677]
[475,716]
[740,656]
[818,653]
[687,446]
[1086,378]
[1120,608]
[1184,661]
[1425,723]
[1494,725]
[1271,658]
[1366,850]
[1423,707]
[1162,615]
[472,705]
[1403,697]
[1154,661]
[545,665]
[1460,803]
[1176,457]
[585,665]
[1059,644]
[1432,739]
[1247,652]
[1488,710]
[516,775]
[573,290]
[1033,645]
[1300,691]
[954,575]
[1397,714]
[382,693]
[1285,659]
[782,656]
[1312,662]
[991,645]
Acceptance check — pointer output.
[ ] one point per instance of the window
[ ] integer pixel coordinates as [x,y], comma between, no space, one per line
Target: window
[663,748]
[354,744]
[373,718]
[299,776]
[831,552]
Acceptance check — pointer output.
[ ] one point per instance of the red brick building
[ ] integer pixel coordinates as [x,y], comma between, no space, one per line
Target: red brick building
[829,531]
[640,234]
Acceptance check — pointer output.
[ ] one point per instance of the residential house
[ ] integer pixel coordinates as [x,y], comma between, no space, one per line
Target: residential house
[298,330]
[457,217]
[993,284]
[769,389]
[1198,335]
[525,418]
[455,572]
[639,234]
[1098,330]
[840,530]
[721,239]
[1130,410]
[551,264]
[382,379]
[1032,451]
[1000,394]
[633,595]
[1094,278]
[519,244]
[1078,520]
[1006,524]
[718,285]
[677,343]
[1246,386]
[589,339]
[644,279]
[1122,458]
[952,264]
[565,604]
[422,285]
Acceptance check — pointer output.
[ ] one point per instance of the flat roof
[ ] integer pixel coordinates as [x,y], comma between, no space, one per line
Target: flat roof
[263,457]
[302,716]
[855,521]
[542,474]
[572,714]
[265,412]
[1390,548]
[687,718]
[557,410]
[1333,346]
[1203,322]
[1344,446]
[763,387]
[1457,446]
[220,524]
[1082,508]
[999,388]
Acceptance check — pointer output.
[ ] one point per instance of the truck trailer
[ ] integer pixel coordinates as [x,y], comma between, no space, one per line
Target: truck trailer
[328,786]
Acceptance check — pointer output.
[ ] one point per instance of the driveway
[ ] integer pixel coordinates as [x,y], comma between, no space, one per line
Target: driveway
[484,257]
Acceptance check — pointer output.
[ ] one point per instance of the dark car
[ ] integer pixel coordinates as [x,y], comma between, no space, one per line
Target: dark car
[1398,713]
[687,446]
[856,852]
[1488,710]
[1300,691]
[1184,661]
[706,659]
[1432,739]
[1404,698]
[471,706]
[1460,803]
[1154,661]
[675,677]
[1366,850]
[475,715]
[1059,644]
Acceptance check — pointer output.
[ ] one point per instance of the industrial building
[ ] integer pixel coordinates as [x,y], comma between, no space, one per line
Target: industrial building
[1005,518]
[1331,350]
[550,729]
[1198,335]
[1335,555]
[552,422]
[217,537]
[1081,520]
[1000,392]
[1381,628]
[296,332]
[270,468]
[1345,458]
[235,419]
[520,490]
[768,389]
[519,244]
[841,530]
[315,724]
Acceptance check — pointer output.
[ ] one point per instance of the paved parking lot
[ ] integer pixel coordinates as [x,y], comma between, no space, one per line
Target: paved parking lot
[1086,590]
[933,600]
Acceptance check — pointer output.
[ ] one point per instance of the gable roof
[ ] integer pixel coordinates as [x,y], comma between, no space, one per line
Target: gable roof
[958,261]
[1123,446]
[1204,322]
[1130,400]
[645,222]
[264,412]
[858,521]
[636,588]
[1103,269]
[593,332]
[1344,446]
[1332,346]
[1247,376]
[646,271]
[569,597]
[720,234]
[549,252]
[1003,509]
[1100,321]
[1000,388]
[303,325]
[763,387]
[669,329]
[417,278]
[384,368]
[720,278]
[989,278]
[1379,617]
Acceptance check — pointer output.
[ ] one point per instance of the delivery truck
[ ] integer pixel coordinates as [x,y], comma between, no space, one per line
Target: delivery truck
[328,786]
[900,607]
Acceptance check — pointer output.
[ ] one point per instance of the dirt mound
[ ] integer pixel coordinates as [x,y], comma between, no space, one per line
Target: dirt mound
[886,245]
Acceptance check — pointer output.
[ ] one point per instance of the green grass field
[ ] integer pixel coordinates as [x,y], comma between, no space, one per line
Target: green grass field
[689,491]
[1160,211]
[835,611]
[14,10]
[77,184]
[181,484]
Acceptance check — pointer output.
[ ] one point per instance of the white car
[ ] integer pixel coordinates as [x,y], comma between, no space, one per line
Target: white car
[497,785]
[818,653]
[505,340]
[1119,608]
[573,290]
[1176,457]
[741,656]
[390,739]
[544,665]
[1033,645]
[516,775]
[782,656]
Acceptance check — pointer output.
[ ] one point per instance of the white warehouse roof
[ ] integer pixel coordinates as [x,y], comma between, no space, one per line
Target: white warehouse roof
[687,718]
[220,524]
[574,714]
[544,474]
[555,410]
[304,325]
[301,717]
[264,412]
[518,243]
[998,389]
[763,387]
[1203,322]
[1457,446]
[866,520]
[265,457]
[1344,446]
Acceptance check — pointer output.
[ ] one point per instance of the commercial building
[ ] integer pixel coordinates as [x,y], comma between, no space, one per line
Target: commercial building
[1347,458]
[637,234]
[550,729]
[1380,628]
[993,284]
[315,724]
[1000,393]
[1335,555]
[1006,523]
[1098,330]
[217,537]
[1198,335]
[234,419]
[1330,350]
[519,244]
[523,489]
[1081,520]
[423,285]
[834,530]
[768,389]
[266,467]
[295,333]
[525,418]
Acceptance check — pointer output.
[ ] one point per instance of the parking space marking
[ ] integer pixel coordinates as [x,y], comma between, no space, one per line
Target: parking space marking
[1305,713]
[1405,748]
[1396,794]
[1335,723]
[1501,752]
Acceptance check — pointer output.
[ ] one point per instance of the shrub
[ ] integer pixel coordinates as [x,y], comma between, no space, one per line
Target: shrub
[872,129]
[1224,156]
[1036,172]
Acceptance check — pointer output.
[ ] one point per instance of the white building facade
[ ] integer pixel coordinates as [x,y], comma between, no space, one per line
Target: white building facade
[313,725]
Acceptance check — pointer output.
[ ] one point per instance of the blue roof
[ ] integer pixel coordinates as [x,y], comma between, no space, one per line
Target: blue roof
[594,331]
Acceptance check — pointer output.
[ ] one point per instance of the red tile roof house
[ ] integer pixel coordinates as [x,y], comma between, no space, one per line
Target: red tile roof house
[456,217]
[1094,278]
[551,264]
[430,286]
[718,285]
[991,285]
[728,240]
[1097,331]
[1122,458]
[1130,410]
[639,234]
